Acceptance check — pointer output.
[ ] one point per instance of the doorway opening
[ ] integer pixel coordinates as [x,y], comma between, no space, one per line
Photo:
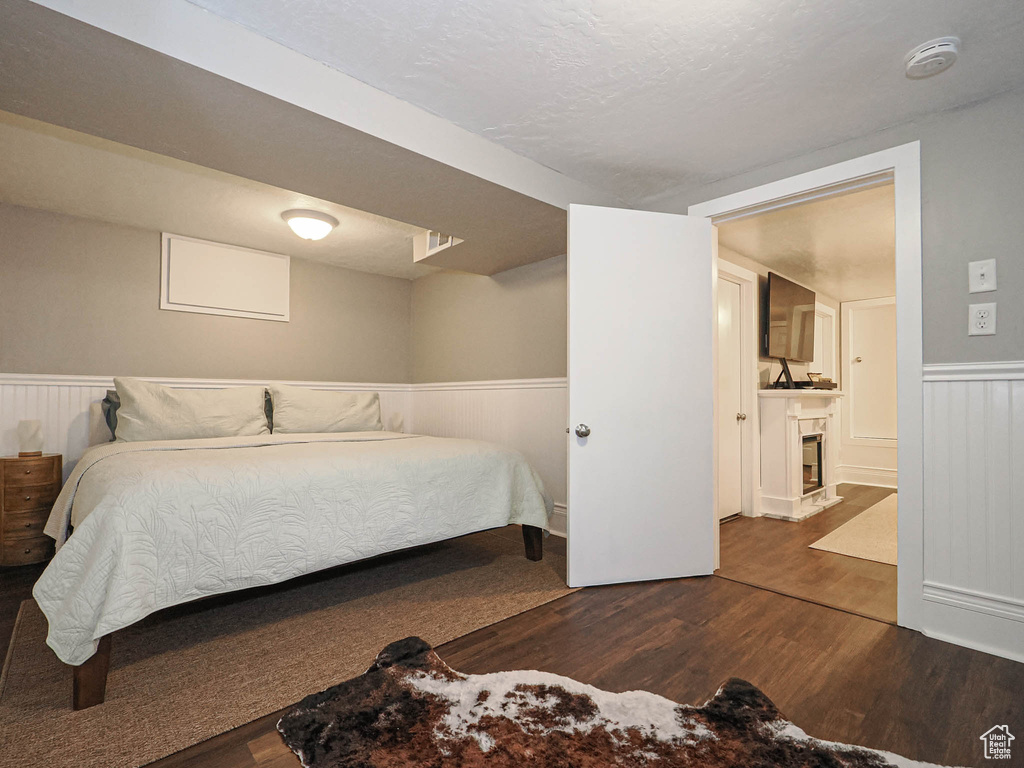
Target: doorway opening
[819,531]
[827,530]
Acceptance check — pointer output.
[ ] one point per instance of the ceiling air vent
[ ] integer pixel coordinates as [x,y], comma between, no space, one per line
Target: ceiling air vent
[428,243]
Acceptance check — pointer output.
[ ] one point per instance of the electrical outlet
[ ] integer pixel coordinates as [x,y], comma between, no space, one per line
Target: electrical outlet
[981,276]
[981,319]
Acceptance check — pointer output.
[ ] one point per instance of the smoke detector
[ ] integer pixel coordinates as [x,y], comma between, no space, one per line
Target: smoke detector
[933,57]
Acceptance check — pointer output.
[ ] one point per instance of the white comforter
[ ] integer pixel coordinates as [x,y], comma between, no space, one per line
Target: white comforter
[162,523]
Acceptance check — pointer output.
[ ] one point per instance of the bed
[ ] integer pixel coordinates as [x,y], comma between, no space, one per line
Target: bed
[164,522]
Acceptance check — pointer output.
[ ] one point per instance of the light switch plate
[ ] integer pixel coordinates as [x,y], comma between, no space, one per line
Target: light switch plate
[982,319]
[981,276]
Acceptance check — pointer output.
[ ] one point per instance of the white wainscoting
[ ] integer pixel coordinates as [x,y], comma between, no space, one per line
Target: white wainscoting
[62,404]
[974,506]
[526,414]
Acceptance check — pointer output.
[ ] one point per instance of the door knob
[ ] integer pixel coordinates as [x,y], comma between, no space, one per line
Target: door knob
[741,417]
[858,359]
[582,430]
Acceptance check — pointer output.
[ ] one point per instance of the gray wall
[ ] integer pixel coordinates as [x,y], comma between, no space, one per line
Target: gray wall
[972,177]
[81,297]
[509,326]
[513,325]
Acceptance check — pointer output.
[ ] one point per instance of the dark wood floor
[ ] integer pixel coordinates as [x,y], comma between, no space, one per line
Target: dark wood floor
[837,675]
[776,555]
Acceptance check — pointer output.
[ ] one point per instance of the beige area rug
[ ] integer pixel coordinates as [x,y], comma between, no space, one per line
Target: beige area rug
[194,671]
[871,535]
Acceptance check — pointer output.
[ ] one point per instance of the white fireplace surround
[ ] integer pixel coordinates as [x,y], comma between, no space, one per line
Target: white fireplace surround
[787,416]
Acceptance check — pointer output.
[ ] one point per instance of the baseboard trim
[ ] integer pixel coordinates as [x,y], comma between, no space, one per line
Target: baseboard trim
[877,476]
[974,619]
[975,645]
[973,600]
[559,521]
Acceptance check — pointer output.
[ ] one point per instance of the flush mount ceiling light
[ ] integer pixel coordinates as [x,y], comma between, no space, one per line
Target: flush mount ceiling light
[310,225]
[933,57]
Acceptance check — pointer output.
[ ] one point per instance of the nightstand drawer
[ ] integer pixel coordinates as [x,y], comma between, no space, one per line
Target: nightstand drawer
[24,551]
[30,497]
[29,472]
[23,525]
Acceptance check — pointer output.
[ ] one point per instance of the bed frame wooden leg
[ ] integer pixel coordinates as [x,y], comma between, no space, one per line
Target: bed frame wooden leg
[533,537]
[91,677]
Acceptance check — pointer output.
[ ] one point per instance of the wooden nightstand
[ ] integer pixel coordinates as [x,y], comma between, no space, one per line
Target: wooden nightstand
[28,487]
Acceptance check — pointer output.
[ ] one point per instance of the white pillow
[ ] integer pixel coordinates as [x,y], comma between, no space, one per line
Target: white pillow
[154,412]
[297,409]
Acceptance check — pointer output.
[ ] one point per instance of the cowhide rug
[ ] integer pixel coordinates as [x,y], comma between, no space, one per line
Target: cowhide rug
[411,709]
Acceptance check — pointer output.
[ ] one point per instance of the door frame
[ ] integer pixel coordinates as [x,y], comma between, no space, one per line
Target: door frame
[826,312]
[901,166]
[750,445]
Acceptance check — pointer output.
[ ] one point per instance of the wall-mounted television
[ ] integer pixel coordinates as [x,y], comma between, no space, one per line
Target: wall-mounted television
[788,332]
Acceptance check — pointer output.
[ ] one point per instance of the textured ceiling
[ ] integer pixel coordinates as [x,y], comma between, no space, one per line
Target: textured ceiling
[843,246]
[644,96]
[60,170]
[68,73]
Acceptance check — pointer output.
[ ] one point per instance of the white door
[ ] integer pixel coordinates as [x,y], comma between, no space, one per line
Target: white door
[869,332]
[642,340]
[730,401]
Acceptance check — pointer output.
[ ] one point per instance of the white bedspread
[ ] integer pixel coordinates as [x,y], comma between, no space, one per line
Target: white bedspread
[161,523]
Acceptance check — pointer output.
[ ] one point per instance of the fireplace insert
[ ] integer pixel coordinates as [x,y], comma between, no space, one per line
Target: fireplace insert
[812,474]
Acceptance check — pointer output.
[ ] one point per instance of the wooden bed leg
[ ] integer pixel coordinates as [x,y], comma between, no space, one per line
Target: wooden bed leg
[533,537]
[91,677]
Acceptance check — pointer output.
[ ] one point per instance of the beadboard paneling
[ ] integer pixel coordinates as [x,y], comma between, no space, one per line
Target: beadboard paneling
[974,506]
[974,518]
[525,414]
[63,410]
[529,416]
[62,404]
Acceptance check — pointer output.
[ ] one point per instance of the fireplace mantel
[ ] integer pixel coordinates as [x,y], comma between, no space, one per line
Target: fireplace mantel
[799,394]
[787,415]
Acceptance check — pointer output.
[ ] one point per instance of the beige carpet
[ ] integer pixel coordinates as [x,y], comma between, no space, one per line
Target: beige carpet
[871,535]
[195,671]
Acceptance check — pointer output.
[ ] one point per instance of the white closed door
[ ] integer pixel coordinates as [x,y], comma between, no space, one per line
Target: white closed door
[642,338]
[730,402]
[870,334]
